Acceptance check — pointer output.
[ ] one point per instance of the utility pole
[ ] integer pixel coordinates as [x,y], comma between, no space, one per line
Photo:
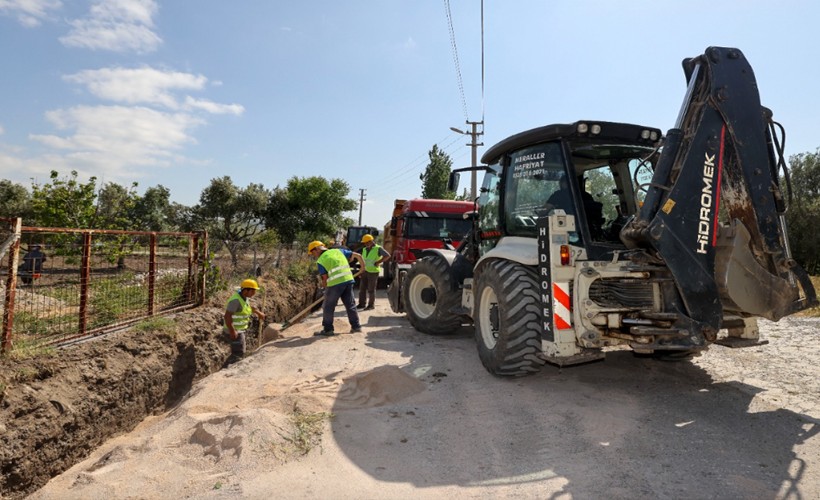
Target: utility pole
[361,203]
[473,133]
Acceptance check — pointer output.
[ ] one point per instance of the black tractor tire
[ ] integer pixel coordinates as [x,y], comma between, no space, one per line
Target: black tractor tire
[508,317]
[429,297]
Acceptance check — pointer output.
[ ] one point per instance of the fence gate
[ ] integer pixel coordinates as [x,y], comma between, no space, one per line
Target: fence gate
[63,285]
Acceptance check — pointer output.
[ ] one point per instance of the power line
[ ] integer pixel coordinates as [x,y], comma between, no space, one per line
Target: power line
[455,57]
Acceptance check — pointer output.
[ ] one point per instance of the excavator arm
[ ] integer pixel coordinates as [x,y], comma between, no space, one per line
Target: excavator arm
[714,211]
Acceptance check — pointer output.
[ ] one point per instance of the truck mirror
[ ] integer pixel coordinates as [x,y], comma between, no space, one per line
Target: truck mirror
[452,182]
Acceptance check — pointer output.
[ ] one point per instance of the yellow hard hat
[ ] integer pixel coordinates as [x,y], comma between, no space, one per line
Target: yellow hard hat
[367,238]
[314,244]
[250,284]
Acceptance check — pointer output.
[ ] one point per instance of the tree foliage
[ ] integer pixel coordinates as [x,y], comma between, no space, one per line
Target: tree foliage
[231,214]
[15,200]
[313,206]
[434,178]
[65,202]
[115,207]
[803,215]
[151,211]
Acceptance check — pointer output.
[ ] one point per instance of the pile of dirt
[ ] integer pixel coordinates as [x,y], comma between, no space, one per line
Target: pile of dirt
[55,410]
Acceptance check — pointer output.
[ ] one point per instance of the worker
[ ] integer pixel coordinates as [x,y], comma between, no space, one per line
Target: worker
[337,282]
[32,264]
[561,198]
[373,256]
[238,313]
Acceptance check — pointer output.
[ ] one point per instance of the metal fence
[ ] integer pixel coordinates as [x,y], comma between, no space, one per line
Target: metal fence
[61,285]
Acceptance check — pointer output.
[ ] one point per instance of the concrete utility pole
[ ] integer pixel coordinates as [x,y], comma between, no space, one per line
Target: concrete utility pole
[361,203]
[474,133]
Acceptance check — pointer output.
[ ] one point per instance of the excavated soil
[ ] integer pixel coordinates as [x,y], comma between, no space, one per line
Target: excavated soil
[56,409]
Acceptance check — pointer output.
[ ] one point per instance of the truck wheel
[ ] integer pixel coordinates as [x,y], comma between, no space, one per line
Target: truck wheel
[429,297]
[508,319]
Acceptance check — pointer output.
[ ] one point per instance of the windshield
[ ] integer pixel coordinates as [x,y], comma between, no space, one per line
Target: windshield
[535,186]
[436,228]
[598,186]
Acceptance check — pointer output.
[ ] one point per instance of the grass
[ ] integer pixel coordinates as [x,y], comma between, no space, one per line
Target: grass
[158,324]
[307,433]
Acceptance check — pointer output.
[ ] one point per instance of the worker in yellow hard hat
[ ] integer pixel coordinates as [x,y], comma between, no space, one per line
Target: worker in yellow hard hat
[337,280]
[238,313]
[373,256]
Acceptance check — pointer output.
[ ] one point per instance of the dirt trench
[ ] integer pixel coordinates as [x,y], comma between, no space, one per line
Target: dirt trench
[55,410]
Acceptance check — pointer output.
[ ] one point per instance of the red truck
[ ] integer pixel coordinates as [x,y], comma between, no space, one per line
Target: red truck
[422,224]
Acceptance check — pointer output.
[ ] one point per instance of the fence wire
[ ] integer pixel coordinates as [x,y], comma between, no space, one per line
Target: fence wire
[69,284]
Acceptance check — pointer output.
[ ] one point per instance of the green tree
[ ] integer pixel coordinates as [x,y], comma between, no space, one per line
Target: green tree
[151,210]
[232,214]
[434,178]
[64,202]
[803,214]
[311,206]
[115,204]
[15,200]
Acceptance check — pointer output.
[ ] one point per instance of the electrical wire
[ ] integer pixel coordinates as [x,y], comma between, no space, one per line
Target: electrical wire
[455,57]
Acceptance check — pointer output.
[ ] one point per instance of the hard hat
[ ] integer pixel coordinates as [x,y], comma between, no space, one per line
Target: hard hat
[314,244]
[367,238]
[250,284]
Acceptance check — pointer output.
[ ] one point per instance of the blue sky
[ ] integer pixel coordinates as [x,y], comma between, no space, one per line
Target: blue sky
[178,93]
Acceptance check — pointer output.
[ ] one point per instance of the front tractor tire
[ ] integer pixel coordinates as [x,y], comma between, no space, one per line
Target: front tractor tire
[430,297]
[507,317]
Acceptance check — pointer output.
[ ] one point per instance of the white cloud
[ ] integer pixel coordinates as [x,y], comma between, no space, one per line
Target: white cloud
[115,139]
[137,86]
[29,13]
[2,130]
[213,107]
[116,25]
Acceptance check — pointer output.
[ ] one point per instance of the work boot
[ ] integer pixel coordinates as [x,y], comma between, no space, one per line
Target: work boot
[360,306]
[356,329]
[371,306]
[324,333]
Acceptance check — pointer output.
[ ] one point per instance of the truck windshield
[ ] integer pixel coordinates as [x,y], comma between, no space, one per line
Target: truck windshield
[436,228]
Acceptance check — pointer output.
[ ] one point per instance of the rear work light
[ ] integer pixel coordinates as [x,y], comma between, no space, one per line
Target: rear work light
[564,255]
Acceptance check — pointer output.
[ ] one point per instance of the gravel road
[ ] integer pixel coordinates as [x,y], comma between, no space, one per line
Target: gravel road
[418,417]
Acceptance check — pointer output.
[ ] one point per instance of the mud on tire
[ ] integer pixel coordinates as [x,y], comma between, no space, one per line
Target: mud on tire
[508,319]
[429,297]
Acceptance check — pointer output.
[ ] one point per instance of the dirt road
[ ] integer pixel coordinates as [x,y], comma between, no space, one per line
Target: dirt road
[415,416]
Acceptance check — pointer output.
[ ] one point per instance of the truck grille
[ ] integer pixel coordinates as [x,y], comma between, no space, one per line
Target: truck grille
[622,292]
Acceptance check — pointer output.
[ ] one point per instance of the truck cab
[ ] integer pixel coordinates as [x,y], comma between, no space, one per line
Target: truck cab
[422,224]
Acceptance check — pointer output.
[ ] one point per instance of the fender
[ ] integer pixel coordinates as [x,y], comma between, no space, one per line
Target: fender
[459,266]
[514,248]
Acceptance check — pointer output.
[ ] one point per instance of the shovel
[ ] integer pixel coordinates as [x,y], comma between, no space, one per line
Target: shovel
[272,333]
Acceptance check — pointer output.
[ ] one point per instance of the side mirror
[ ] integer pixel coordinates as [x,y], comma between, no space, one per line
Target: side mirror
[453,181]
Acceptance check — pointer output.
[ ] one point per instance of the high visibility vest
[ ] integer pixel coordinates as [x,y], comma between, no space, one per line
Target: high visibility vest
[370,257]
[338,269]
[242,318]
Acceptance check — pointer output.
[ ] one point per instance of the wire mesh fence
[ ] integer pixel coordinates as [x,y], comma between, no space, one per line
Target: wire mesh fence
[61,285]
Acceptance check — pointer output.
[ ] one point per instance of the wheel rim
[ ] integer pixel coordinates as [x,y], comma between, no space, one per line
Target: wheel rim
[418,286]
[488,317]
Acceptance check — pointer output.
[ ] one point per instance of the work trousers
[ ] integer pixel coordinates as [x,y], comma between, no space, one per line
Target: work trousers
[367,288]
[332,296]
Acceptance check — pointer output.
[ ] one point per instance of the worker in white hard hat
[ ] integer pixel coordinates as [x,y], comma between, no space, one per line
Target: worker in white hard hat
[337,280]
[373,256]
[238,313]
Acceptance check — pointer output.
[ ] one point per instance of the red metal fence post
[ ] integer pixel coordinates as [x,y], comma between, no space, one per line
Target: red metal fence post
[152,271]
[85,278]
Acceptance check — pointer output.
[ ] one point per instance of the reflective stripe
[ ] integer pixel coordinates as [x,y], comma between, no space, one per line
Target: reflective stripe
[338,269]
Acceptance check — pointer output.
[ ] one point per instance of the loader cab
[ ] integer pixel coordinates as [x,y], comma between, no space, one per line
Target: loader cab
[593,171]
